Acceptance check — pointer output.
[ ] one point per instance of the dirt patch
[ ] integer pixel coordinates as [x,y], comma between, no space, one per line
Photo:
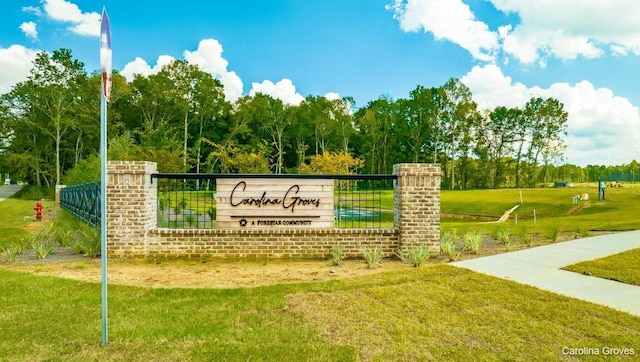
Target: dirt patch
[197,273]
[193,273]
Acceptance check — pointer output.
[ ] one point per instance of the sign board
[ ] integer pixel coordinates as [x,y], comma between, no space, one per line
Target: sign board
[264,203]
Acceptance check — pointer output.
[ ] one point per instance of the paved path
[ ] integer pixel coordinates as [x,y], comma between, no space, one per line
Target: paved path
[540,267]
[8,190]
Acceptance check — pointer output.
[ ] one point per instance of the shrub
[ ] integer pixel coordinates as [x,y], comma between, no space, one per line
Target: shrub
[89,242]
[447,239]
[449,249]
[372,256]
[552,232]
[583,232]
[526,238]
[10,253]
[336,254]
[78,247]
[472,241]
[504,236]
[414,257]
[42,248]
[46,233]
[21,244]
[64,234]
[162,203]
[180,207]
[31,192]
[448,245]
[212,213]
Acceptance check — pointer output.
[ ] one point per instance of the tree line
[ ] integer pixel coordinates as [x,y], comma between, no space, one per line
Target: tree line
[179,118]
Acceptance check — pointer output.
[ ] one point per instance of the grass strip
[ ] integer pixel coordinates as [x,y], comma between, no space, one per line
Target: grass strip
[623,267]
[430,313]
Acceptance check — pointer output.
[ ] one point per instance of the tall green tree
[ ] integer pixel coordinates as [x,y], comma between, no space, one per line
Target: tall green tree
[500,134]
[547,120]
[197,99]
[458,109]
[50,98]
[421,113]
[376,123]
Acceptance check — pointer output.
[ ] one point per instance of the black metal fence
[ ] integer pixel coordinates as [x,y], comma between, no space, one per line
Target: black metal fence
[83,201]
[187,201]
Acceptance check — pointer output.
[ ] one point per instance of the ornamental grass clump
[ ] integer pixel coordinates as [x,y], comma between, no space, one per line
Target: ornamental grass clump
[552,232]
[64,234]
[448,245]
[372,256]
[10,253]
[449,249]
[21,244]
[336,254]
[89,242]
[472,241]
[504,237]
[42,247]
[414,257]
[527,239]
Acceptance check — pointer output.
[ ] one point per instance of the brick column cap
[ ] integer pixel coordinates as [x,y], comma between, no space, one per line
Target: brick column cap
[416,169]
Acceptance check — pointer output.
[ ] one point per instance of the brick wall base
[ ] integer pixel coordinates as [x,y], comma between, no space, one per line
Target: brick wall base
[258,244]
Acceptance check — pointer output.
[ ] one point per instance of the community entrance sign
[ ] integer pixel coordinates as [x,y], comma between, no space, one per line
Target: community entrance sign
[259,203]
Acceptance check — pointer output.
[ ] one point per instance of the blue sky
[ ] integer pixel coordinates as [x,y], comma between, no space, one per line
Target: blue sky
[583,52]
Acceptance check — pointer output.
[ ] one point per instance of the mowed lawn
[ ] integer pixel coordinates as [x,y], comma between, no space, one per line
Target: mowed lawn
[16,217]
[436,312]
[553,208]
[623,267]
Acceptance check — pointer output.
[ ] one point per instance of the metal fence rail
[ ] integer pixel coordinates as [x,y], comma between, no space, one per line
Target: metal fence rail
[187,201]
[83,201]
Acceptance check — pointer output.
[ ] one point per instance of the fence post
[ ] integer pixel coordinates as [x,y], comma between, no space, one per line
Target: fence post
[417,205]
[58,190]
[131,206]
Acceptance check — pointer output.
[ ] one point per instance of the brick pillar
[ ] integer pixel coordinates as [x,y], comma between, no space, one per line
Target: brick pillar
[417,205]
[131,206]
[58,190]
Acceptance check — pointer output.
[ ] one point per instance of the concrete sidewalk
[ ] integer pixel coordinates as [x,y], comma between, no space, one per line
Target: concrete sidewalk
[7,191]
[540,267]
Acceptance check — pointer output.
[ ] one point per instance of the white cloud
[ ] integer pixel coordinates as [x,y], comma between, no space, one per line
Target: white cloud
[29,29]
[565,29]
[450,20]
[570,28]
[15,63]
[208,57]
[33,10]
[602,128]
[141,67]
[68,12]
[283,90]
[332,96]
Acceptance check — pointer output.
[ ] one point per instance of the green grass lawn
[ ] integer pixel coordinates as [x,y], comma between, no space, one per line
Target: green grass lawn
[623,267]
[554,210]
[437,312]
[16,215]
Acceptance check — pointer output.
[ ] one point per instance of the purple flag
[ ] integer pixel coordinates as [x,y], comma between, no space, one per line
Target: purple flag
[105,54]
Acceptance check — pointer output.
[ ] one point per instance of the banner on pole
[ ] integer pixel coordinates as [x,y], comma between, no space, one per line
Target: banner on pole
[105,54]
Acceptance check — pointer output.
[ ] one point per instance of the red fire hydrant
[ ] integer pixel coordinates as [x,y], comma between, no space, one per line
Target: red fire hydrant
[38,209]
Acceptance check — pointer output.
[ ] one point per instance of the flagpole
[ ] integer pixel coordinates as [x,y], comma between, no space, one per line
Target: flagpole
[105,92]
[103,214]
